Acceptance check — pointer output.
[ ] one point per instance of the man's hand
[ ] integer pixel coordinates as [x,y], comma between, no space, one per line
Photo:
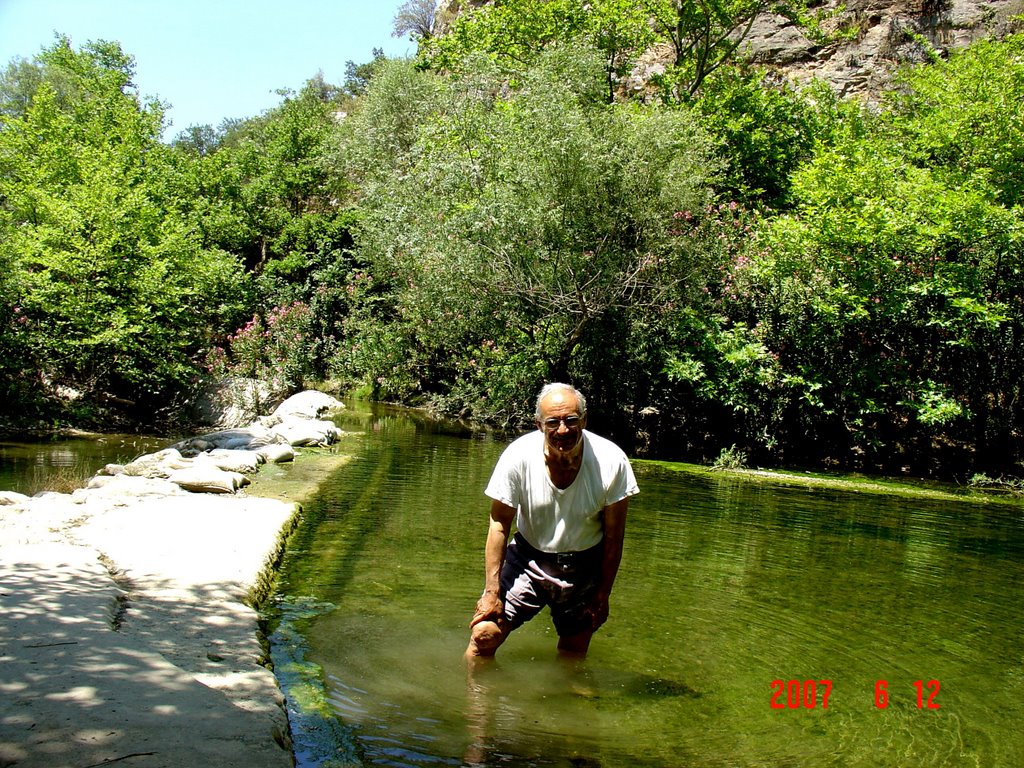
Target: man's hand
[488,608]
[597,612]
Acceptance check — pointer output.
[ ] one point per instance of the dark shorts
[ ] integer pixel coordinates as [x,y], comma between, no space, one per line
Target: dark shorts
[566,583]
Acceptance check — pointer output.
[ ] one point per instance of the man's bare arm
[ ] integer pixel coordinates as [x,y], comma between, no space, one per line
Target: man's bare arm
[614,520]
[489,606]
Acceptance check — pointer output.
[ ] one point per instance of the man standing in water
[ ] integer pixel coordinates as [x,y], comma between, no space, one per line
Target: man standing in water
[568,491]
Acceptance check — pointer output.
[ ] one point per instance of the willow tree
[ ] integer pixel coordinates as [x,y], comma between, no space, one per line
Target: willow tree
[415,18]
[516,225]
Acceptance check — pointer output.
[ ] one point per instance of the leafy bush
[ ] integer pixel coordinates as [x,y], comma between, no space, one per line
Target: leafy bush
[274,348]
[113,295]
[890,292]
[730,458]
[765,128]
[515,224]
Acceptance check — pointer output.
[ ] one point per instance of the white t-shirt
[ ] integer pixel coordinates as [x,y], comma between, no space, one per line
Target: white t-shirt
[561,520]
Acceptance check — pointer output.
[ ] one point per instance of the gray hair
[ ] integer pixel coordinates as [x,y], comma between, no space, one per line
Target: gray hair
[557,387]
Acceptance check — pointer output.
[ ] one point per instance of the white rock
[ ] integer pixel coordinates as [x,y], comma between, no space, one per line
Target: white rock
[158,464]
[299,431]
[277,453]
[233,402]
[208,480]
[125,487]
[309,405]
[235,460]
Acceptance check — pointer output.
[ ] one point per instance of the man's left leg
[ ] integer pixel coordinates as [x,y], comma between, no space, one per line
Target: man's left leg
[572,612]
[575,645]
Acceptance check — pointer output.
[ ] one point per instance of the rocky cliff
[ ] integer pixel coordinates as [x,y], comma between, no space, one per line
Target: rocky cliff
[888,33]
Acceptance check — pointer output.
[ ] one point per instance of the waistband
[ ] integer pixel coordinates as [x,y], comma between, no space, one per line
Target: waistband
[580,558]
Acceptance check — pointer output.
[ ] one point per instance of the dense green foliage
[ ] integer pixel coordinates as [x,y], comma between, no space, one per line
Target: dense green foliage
[741,266]
[520,226]
[513,34]
[701,36]
[892,294]
[106,288]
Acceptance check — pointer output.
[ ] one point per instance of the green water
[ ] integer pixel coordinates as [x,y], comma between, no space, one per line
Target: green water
[63,464]
[726,586]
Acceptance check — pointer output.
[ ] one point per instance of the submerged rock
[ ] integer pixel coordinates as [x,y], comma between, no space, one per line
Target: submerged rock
[250,438]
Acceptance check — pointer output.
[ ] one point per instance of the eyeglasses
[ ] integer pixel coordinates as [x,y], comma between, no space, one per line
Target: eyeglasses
[571,422]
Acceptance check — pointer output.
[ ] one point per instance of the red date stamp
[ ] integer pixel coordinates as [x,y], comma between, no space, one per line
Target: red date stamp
[812,694]
[797,694]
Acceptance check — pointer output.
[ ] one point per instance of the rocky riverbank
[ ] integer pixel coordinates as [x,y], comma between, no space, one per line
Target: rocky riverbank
[128,630]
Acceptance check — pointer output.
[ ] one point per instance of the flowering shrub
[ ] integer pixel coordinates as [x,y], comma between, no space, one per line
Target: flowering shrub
[719,236]
[274,348]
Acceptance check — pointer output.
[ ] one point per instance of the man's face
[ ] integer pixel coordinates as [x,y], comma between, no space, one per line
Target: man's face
[561,423]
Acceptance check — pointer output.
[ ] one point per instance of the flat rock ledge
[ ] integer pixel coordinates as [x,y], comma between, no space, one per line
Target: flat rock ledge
[127,632]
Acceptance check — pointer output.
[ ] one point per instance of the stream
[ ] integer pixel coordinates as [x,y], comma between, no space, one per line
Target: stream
[753,623]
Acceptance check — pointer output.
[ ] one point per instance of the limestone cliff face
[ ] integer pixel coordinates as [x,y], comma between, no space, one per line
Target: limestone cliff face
[891,32]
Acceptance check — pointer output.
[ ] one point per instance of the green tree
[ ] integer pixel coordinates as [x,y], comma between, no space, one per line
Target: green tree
[962,116]
[514,33]
[765,128]
[706,34]
[256,180]
[358,76]
[703,35]
[18,84]
[111,290]
[514,225]
[270,195]
[200,140]
[892,293]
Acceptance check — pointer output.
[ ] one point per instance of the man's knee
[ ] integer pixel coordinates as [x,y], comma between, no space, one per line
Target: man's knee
[485,638]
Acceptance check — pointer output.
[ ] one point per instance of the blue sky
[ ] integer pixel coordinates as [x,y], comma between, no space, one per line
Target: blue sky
[213,59]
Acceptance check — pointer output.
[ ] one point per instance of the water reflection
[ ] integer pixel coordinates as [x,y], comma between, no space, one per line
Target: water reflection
[63,464]
[725,587]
